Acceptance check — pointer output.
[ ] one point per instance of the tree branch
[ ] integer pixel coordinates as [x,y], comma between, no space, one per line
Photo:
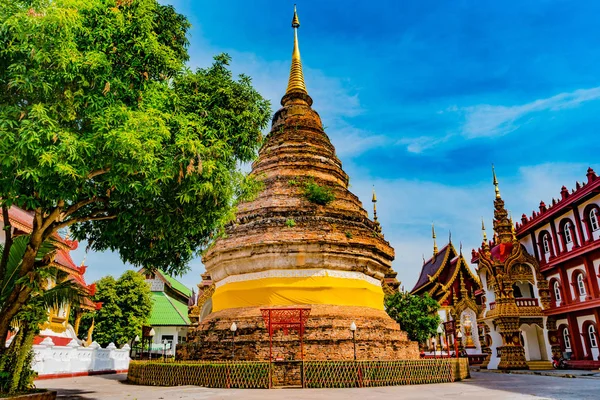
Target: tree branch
[92,217]
[54,214]
[73,208]
[97,172]
[8,239]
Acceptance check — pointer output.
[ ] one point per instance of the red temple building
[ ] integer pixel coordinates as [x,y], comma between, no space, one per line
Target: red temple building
[564,237]
[447,278]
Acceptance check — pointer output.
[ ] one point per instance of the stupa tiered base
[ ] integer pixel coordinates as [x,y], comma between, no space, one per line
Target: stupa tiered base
[327,336]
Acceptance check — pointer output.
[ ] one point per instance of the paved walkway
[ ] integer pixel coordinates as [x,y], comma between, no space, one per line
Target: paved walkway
[488,386]
[562,373]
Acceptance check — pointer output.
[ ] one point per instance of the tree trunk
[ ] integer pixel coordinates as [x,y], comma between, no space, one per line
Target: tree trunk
[19,296]
[22,357]
[8,240]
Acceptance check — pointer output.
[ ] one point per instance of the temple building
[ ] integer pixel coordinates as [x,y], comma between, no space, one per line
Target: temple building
[448,279]
[303,256]
[515,298]
[57,327]
[564,238]
[169,315]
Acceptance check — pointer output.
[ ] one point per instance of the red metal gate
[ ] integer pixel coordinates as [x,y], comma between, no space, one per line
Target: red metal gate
[285,319]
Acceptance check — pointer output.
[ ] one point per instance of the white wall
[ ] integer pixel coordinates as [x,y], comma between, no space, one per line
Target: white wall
[73,358]
[175,331]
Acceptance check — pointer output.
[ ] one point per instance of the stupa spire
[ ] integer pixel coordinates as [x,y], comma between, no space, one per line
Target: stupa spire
[435,248]
[374,200]
[296,81]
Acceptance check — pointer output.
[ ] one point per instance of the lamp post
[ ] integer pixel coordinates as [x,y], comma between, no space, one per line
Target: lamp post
[434,345]
[151,334]
[439,332]
[135,340]
[459,336]
[233,328]
[353,329]
[165,341]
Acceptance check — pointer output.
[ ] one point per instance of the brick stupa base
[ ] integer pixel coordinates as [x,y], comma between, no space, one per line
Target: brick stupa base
[327,337]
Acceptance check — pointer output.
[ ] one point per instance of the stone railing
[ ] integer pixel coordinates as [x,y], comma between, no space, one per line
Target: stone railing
[73,359]
[526,302]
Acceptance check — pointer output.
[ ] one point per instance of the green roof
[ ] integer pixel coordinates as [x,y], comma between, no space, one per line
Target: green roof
[175,284]
[168,311]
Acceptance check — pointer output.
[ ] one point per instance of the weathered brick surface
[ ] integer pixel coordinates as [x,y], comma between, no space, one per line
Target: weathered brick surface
[327,336]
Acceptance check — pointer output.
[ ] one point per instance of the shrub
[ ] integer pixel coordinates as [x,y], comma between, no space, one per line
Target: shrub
[290,223]
[317,194]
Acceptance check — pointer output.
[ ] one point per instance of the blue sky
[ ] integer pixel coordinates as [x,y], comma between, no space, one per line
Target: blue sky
[420,98]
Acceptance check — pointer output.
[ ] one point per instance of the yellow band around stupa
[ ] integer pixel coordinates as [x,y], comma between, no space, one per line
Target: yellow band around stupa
[294,290]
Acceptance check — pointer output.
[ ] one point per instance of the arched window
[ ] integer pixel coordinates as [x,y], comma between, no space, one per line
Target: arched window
[594,219]
[567,231]
[567,339]
[592,335]
[581,285]
[546,242]
[557,291]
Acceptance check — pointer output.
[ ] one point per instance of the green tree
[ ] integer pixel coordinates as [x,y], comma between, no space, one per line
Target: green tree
[126,307]
[104,130]
[15,365]
[416,315]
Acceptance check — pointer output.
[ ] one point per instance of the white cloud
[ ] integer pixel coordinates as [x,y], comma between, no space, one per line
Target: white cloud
[419,144]
[495,120]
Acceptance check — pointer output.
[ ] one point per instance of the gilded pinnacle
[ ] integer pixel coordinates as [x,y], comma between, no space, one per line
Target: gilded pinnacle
[495,183]
[483,229]
[296,81]
[435,248]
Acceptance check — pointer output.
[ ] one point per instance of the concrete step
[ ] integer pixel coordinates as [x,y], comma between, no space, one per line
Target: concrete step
[539,365]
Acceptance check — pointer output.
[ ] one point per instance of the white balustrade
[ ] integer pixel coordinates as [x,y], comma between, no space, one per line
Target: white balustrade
[73,358]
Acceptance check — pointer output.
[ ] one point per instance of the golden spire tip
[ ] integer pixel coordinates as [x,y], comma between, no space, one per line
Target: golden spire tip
[435,248]
[296,81]
[496,188]
[483,229]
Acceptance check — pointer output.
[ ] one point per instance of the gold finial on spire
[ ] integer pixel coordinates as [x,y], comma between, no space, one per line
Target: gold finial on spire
[435,248]
[374,200]
[483,229]
[495,183]
[296,81]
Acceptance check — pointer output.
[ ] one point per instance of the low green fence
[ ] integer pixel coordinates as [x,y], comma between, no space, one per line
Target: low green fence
[344,374]
[242,374]
[315,374]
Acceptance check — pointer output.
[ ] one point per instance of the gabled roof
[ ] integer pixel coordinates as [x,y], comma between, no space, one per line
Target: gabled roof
[175,284]
[167,311]
[433,266]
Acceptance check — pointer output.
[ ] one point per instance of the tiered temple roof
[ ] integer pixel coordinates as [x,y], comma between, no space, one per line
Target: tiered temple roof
[447,277]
